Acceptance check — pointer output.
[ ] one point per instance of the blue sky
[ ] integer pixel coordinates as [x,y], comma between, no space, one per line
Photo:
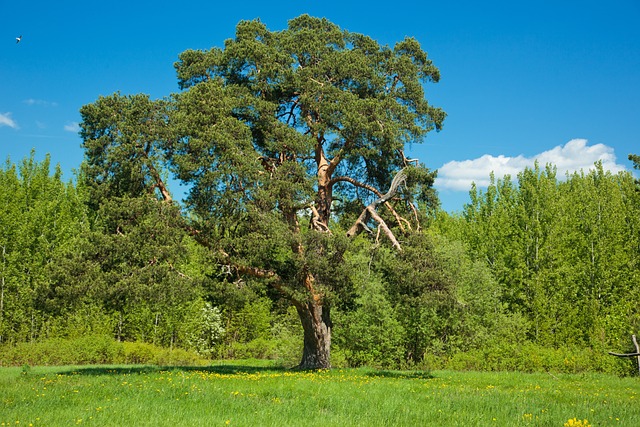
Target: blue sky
[557,81]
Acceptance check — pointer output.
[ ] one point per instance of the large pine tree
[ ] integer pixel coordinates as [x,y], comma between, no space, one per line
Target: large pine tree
[290,142]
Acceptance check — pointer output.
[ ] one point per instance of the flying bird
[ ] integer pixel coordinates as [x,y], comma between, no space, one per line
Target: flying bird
[18,39]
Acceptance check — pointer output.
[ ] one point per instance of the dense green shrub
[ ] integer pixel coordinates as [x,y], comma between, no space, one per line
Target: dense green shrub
[92,350]
[531,357]
[286,331]
[370,335]
[139,352]
[259,348]
[59,351]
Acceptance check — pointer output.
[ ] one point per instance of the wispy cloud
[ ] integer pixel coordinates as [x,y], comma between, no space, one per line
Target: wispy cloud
[6,120]
[40,102]
[72,127]
[575,155]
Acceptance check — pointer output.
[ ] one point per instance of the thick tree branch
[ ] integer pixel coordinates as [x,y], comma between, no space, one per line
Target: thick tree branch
[333,164]
[375,191]
[406,161]
[400,177]
[166,196]
[272,279]
[355,183]
[159,183]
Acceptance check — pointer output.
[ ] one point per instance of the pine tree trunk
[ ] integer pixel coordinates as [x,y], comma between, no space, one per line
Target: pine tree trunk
[316,324]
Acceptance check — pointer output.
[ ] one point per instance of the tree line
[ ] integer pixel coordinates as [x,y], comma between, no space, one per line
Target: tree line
[305,228]
[564,251]
[537,262]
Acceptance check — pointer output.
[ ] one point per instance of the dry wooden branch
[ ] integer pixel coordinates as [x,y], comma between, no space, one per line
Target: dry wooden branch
[636,354]
[385,229]
[624,354]
[370,212]
[406,160]
[400,177]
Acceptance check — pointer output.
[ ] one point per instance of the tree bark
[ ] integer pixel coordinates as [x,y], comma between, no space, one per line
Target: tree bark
[314,315]
[316,324]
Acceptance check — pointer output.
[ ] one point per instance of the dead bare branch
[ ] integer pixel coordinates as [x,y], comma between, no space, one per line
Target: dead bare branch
[370,212]
[624,354]
[385,229]
[406,161]
[375,191]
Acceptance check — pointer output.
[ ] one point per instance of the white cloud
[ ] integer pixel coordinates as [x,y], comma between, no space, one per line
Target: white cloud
[40,102]
[575,155]
[6,120]
[72,127]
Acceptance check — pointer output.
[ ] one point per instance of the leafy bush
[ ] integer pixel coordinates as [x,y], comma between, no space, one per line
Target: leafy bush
[371,335]
[139,352]
[256,331]
[287,334]
[204,329]
[250,322]
[259,348]
[145,353]
[58,351]
[92,350]
[86,320]
[530,357]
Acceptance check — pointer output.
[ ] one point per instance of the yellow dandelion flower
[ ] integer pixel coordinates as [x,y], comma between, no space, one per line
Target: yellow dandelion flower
[574,422]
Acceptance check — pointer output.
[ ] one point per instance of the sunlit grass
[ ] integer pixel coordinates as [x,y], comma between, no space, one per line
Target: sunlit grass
[259,395]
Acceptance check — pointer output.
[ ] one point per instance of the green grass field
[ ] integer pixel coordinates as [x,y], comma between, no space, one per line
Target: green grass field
[256,394]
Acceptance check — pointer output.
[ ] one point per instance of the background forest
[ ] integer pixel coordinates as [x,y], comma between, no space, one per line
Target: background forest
[537,273]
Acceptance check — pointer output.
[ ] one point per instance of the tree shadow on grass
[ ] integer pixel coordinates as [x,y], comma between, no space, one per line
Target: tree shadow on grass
[401,375]
[149,369]
[228,369]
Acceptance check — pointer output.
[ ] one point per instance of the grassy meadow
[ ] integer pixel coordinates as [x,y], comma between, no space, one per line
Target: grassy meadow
[258,394]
